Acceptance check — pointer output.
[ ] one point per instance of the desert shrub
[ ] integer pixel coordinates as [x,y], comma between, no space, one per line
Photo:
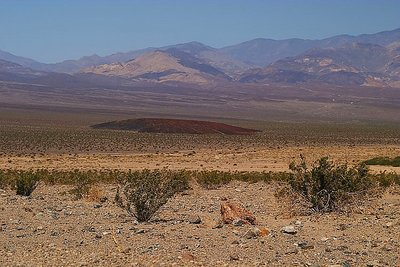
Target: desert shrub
[386,179]
[3,179]
[213,179]
[326,186]
[254,177]
[82,183]
[384,161]
[144,192]
[26,182]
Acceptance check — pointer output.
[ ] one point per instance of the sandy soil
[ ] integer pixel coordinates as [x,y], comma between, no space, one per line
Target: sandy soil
[51,229]
[254,159]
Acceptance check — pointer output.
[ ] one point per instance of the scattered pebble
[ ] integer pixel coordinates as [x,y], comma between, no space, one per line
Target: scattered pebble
[289,230]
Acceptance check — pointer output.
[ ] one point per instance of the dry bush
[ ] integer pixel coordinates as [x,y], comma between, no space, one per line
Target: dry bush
[82,183]
[215,179]
[144,192]
[3,180]
[384,161]
[26,183]
[329,187]
[96,194]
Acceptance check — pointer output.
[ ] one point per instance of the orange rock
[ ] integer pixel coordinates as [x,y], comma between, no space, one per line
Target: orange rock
[264,232]
[234,211]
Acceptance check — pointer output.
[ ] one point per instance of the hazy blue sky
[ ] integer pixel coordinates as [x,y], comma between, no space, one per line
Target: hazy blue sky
[54,30]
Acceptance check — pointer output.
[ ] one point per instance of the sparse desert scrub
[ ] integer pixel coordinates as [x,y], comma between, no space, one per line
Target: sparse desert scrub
[27,140]
[328,186]
[384,161]
[142,193]
[214,179]
[386,179]
[26,183]
[82,184]
[3,180]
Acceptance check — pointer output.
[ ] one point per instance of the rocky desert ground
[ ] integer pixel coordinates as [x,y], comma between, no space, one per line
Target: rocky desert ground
[52,228]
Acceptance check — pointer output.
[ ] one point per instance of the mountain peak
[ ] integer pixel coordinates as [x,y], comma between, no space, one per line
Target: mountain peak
[170,65]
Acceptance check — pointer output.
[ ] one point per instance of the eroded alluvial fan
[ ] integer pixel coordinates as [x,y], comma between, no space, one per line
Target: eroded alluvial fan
[155,125]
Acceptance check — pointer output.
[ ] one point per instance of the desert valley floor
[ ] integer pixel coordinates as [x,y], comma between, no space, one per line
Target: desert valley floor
[51,228]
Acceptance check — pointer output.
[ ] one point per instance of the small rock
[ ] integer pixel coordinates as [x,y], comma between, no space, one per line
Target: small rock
[98,236]
[140,231]
[183,246]
[126,250]
[292,251]
[27,209]
[236,232]
[233,211]
[305,245]
[217,225]
[39,215]
[106,233]
[54,233]
[97,206]
[252,233]
[342,227]
[194,219]
[238,222]
[234,257]
[103,199]
[289,230]
[90,229]
[264,232]
[389,224]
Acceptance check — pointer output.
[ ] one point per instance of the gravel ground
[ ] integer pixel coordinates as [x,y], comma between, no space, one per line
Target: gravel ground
[51,229]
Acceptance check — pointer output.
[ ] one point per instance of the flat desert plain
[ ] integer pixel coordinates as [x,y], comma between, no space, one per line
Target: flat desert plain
[51,228]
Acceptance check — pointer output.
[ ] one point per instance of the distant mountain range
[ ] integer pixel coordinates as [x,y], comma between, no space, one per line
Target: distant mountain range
[351,64]
[363,60]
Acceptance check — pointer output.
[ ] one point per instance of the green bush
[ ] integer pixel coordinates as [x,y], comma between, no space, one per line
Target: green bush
[3,181]
[26,183]
[144,192]
[384,161]
[386,179]
[326,186]
[213,179]
[82,183]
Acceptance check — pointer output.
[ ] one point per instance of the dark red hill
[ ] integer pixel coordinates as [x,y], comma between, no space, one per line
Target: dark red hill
[152,125]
